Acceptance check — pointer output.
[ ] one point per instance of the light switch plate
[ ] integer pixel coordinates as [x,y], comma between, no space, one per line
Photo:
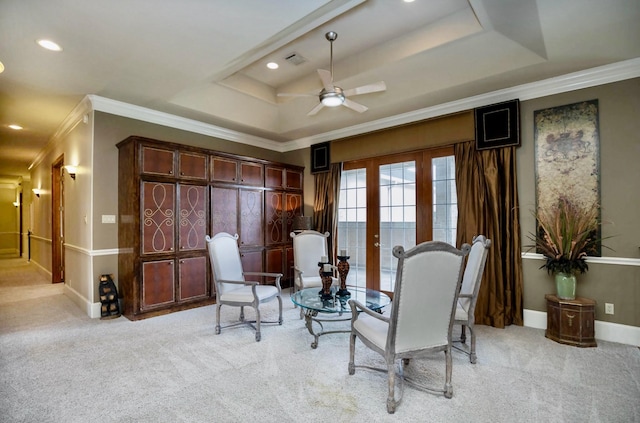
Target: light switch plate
[108,218]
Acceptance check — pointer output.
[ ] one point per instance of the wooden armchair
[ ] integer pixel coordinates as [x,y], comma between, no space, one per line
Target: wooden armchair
[428,280]
[231,287]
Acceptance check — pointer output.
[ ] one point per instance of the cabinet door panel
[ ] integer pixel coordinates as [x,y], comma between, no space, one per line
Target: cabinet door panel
[274,258]
[251,174]
[293,208]
[274,210]
[193,217]
[273,177]
[251,212]
[223,169]
[294,179]
[157,161]
[157,283]
[252,262]
[193,277]
[224,210]
[158,205]
[288,270]
[193,165]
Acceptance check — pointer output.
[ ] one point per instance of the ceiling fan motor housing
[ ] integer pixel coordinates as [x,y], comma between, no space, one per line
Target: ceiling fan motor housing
[332,98]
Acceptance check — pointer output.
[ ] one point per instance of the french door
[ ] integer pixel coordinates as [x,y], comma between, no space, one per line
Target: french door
[394,200]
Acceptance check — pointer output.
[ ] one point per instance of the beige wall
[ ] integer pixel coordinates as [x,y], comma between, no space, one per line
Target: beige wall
[619,109]
[95,192]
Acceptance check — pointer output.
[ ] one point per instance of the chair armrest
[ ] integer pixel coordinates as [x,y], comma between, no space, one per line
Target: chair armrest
[270,275]
[357,307]
[238,282]
[465,296]
[276,276]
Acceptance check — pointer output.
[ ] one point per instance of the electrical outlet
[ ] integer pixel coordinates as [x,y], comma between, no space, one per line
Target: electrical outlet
[608,308]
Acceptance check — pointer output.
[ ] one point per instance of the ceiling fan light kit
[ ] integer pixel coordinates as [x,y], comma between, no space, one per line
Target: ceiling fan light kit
[332,95]
[332,98]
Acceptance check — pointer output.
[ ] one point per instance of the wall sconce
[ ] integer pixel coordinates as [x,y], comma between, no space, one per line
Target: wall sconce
[71,170]
[36,191]
[16,204]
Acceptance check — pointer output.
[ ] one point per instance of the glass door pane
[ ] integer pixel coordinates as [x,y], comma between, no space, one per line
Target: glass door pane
[397,188]
[352,223]
[445,200]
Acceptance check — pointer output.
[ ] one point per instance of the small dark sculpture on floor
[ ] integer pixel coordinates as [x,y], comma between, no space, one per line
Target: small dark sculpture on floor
[110,308]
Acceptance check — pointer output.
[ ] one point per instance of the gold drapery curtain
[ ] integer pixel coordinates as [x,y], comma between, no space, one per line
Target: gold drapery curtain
[325,204]
[488,205]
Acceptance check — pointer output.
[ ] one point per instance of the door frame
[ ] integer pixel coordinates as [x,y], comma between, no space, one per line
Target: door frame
[424,201]
[57,221]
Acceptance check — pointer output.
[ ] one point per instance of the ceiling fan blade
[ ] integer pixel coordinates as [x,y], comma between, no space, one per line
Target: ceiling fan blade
[296,95]
[327,80]
[315,110]
[354,106]
[366,89]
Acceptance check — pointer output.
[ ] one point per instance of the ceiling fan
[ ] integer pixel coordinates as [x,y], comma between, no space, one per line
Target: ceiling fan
[332,95]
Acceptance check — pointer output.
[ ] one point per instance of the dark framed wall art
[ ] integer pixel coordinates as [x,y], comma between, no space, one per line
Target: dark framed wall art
[320,157]
[498,125]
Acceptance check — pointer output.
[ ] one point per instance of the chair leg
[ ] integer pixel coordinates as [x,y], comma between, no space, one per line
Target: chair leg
[218,319]
[257,323]
[448,388]
[472,351]
[242,313]
[352,353]
[463,335]
[280,308]
[391,400]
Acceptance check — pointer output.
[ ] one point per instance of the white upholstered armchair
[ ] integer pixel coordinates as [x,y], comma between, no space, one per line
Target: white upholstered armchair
[231,287]
[428,280]
[308,247]
[465,309]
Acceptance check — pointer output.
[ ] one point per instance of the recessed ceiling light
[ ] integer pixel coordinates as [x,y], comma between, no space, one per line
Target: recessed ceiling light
[272,65]
[408,1]
[49,45]
[1,67]
[16,127]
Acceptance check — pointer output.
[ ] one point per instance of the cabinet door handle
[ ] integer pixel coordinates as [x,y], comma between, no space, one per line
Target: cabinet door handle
[570,317]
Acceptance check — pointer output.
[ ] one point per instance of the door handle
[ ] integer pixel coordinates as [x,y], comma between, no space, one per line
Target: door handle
[376,244]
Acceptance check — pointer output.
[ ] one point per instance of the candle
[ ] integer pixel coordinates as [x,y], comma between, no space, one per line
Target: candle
[326,268]
[343,253]
[324,259]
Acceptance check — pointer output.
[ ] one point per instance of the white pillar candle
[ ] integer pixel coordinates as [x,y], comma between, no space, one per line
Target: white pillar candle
[324,259]
[343,253]
[327,268]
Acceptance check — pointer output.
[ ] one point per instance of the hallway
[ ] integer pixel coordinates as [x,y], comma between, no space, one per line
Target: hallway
[21,280]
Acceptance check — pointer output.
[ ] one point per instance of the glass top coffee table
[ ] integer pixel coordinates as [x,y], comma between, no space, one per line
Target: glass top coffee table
[311,301]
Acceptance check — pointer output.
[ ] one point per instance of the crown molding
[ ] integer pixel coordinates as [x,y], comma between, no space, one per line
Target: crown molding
[119,108]
[71,121]
[570,82]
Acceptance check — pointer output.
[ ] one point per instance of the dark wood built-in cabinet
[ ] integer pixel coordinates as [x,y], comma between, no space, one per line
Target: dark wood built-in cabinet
[171,196]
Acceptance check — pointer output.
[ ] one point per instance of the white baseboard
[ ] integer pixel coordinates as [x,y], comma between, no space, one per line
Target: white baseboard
[606,331]
[91,309]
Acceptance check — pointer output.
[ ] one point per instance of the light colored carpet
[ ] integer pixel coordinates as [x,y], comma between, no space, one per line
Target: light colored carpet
[57,365]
